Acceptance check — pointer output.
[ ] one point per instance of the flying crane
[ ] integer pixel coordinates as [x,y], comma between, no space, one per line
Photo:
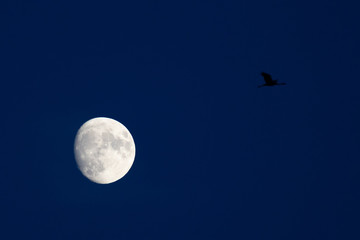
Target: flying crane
[269,81]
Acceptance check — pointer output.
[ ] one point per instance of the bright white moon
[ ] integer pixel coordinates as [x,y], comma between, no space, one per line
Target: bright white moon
[104,150]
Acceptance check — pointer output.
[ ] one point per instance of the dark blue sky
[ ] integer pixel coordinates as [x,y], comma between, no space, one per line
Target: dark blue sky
[217,157]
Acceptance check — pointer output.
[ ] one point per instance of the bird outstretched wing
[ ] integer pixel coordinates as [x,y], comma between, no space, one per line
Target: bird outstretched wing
[267,78]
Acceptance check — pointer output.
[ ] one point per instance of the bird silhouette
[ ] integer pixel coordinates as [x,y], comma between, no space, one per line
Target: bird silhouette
[269,81]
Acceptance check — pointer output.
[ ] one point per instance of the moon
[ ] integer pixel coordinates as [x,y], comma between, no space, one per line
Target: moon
[104,150]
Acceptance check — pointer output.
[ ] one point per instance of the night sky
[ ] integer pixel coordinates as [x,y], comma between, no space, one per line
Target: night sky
[216,157]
